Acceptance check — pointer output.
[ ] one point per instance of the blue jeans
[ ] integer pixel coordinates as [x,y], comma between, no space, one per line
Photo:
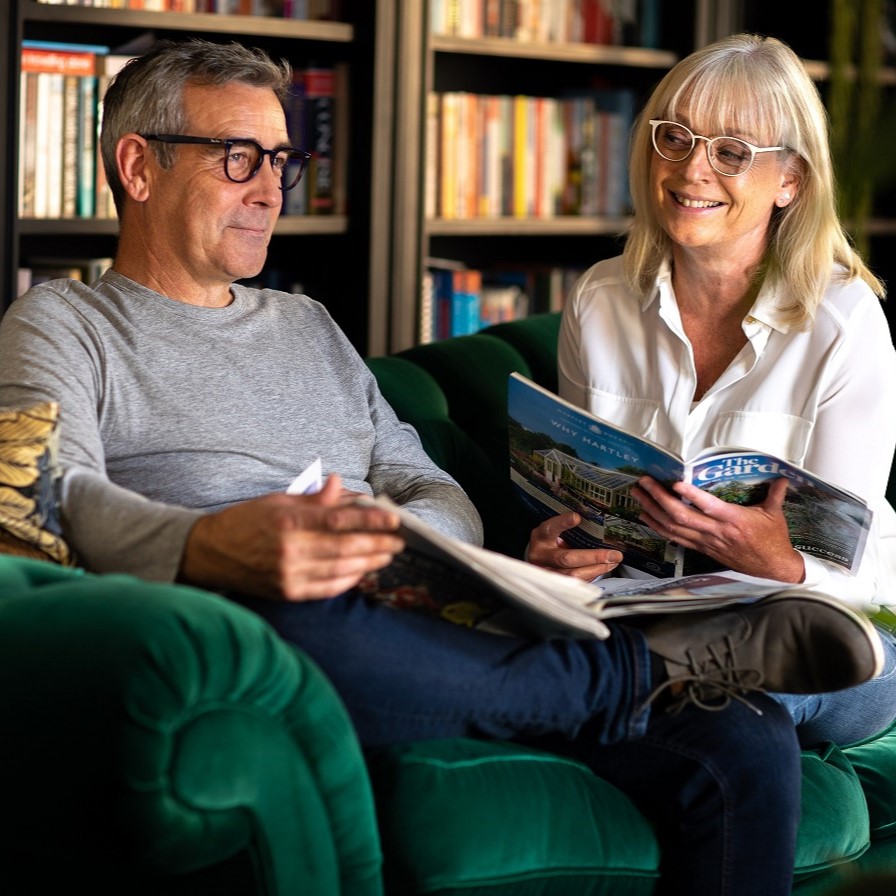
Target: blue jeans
[844,717]
[722,787]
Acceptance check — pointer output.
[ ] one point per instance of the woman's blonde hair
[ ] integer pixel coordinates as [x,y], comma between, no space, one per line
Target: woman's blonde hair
[753,85]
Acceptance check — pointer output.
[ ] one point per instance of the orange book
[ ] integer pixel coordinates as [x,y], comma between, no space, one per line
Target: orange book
[42,58]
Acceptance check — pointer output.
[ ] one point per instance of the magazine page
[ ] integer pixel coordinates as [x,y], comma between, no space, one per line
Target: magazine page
[824,521]
[627,597]
[481,589]
[550,603]
[563,458]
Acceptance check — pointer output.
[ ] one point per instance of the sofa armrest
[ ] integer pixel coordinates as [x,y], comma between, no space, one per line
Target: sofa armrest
[172,730]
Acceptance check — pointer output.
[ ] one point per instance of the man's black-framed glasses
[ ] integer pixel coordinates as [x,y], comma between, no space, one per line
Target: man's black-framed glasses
[727,155]
[243,157]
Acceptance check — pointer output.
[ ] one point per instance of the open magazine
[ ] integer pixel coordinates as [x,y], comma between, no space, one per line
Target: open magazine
[562,458]
[483,589]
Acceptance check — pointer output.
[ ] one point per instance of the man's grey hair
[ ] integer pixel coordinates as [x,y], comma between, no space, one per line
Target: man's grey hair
[146,96]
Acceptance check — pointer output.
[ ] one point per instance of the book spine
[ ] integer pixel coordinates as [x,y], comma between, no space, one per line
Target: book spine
[69,149]
[426,331]
[443,287]
[492,159]
[41,144]
[54,137]
[520,160]
[87,148]
[433,166]
[506,154]
[448,186]
[295,201]
[27,144]
[464,302]
[341,120]
[649,25]
[319,97]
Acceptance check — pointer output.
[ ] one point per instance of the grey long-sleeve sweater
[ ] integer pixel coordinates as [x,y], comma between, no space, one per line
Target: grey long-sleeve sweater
[171,410]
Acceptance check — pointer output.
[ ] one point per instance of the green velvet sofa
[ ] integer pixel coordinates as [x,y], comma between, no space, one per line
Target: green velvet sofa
[159,740]
[454,392]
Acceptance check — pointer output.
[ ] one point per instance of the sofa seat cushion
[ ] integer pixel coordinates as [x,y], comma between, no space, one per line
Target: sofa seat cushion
[466,816]
[469,816]
[834,818]
[874,760]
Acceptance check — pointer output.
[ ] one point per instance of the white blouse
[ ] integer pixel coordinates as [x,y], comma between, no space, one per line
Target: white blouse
[822,398]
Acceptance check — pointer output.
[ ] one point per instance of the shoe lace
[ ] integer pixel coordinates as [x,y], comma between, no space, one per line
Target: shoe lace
[712,684]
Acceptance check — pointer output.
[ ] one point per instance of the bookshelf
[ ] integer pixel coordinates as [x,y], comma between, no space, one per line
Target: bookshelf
[307,249]
[367,264]
[438,62]
[490,65]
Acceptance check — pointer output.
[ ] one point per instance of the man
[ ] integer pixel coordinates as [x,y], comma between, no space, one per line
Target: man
[189,403]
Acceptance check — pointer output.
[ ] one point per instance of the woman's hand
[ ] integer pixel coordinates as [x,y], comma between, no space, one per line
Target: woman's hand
[752,540]
[548,550]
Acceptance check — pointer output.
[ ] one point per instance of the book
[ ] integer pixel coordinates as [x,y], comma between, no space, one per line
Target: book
[456,300]
[562,458]
[71,98]
[27,143]
[320,89]
[482,589]
[50,124]
[295,201]
[87,145]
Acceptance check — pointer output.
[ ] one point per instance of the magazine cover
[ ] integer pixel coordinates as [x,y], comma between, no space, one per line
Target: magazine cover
[563,458]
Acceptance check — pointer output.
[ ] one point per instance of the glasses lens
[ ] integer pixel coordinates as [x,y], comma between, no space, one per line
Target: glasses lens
[242,160]
[291,166]
[730,155]
[672,141]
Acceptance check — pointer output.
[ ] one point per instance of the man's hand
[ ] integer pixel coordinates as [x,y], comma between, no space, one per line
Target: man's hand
[753,540]
[291,547]
[548,550]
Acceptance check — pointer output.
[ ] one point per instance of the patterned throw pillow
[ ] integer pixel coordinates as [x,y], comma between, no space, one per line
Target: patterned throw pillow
[29,478]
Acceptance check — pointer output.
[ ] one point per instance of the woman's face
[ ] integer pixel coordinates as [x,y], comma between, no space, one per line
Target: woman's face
[712,215]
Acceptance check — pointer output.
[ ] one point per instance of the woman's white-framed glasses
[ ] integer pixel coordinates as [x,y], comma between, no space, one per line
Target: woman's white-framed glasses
[727,155]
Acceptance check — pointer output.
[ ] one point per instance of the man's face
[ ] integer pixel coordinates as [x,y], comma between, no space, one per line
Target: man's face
[207,231]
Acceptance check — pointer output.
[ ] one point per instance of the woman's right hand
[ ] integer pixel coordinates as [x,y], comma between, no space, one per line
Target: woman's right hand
[548,549]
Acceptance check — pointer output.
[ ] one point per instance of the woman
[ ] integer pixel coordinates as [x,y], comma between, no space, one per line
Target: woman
[739,314]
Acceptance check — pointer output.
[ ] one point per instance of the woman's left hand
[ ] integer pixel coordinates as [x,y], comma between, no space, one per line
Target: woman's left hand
[749,539]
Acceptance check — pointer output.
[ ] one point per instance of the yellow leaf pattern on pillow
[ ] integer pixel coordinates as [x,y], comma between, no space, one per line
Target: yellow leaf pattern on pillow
[28,475]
